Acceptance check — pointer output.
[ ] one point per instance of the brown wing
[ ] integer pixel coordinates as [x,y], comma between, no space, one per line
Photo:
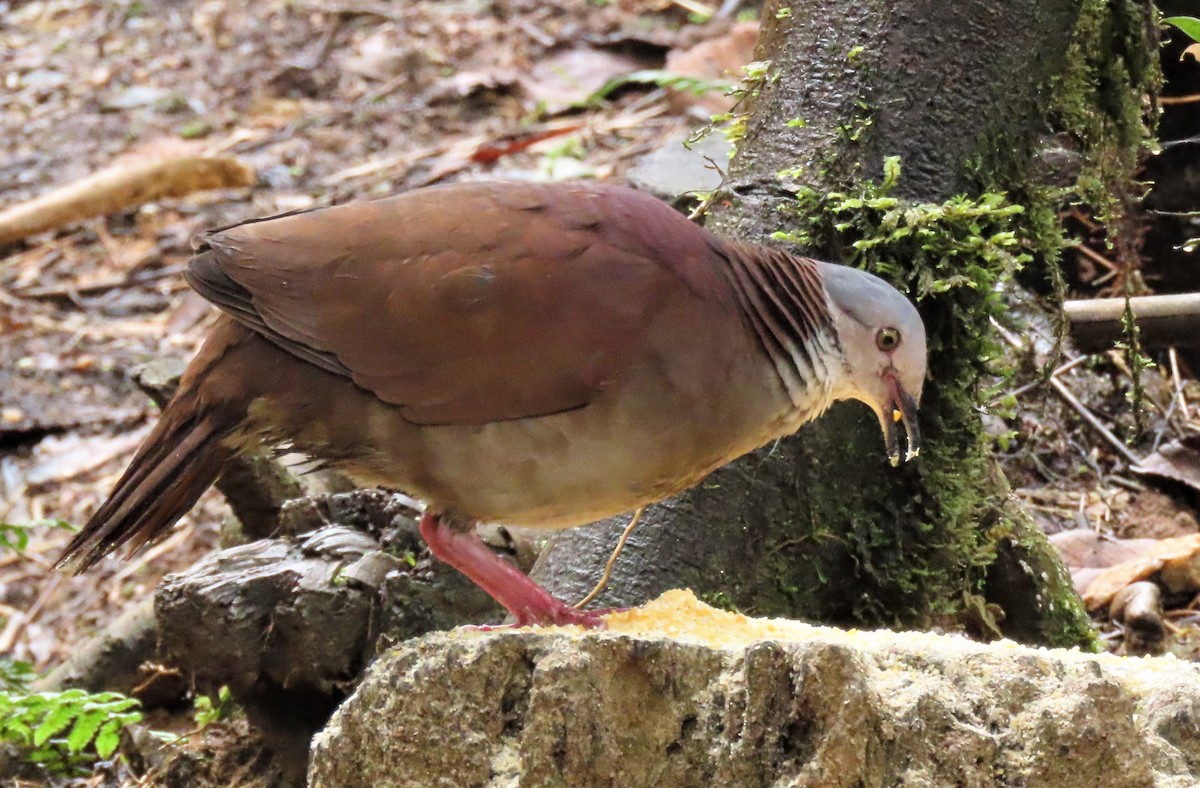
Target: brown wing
[465,304]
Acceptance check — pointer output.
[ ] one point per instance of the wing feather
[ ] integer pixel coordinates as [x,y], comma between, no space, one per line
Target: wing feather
[465,304]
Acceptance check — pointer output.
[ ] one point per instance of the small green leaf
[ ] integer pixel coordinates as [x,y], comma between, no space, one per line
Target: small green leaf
[84,730]
[108,738]
[56,721]
[1188,25]
[891,172]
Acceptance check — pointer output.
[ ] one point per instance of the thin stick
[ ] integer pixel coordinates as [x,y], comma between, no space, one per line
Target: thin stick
[1175,378]
[693,7]
[1078,406]
[1189,99]
[1095,256]
[17,624]
[1025,389]
[120,187]
[1094,422]
[612,559]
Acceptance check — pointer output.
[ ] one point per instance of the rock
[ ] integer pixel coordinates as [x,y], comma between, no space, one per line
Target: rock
[672,170]
[288,624]
[680,694]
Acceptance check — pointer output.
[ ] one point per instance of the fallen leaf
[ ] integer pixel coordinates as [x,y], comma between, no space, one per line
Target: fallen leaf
[1178,561]
[379,56]
[570,76]
[718,59]
[1083,548]
[1178,460]
[61,457]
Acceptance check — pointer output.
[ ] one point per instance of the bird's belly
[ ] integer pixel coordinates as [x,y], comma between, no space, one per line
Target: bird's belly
[541,473]
[552,472]
[635,445]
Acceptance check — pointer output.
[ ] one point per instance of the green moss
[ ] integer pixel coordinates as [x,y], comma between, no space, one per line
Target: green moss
[733,124]
[932,552]
[719,600]
[1111,63]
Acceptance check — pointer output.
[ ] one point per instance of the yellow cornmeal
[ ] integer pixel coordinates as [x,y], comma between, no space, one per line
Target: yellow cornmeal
[678,615]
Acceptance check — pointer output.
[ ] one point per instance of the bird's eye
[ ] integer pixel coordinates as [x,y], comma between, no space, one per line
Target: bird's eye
[887,339]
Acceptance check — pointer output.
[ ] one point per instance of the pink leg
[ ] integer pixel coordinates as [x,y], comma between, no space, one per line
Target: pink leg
[526,600]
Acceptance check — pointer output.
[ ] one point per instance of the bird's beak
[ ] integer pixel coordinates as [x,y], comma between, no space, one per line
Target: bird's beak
[900,406]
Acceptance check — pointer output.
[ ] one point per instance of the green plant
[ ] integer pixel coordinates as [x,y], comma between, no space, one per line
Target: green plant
[1188,25]
[952,258]
[15,536]
[65,731]
[1137,361]
[662,79]
[964,242]
[15,675]
[208,711]
[755,75]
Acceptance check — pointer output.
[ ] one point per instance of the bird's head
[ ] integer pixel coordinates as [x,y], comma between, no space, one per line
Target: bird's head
[883,348]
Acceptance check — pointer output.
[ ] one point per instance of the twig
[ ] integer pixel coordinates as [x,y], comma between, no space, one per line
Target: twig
[17,624]
[1062,370]
[1095,256]
[1078,406]
[1094,422]
[694,7]
[612,559]
[1178,381]
[482,144]
[1167,101]
[1177,401]
[1162,320]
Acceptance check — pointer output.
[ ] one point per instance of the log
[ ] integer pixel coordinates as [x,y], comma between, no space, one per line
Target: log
[120,187]
[1163,321]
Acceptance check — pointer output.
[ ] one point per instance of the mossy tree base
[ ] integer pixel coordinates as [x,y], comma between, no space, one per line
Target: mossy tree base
[957,98]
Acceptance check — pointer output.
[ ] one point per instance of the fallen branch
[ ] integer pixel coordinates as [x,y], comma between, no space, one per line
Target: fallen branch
[112,660]
[1162,320]
[120,187]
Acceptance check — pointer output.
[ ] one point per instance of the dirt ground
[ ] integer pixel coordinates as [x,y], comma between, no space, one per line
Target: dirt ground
[332,101]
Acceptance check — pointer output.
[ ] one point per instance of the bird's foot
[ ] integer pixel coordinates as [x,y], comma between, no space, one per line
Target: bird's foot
[568,616]
[528,602]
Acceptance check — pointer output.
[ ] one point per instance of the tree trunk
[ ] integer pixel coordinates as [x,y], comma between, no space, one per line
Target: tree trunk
[819,526]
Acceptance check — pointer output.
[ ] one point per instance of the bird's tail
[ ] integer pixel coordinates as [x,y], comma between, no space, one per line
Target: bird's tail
[184,454]
[178,461]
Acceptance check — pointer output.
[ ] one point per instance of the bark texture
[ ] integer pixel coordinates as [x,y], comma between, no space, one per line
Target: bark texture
[819,526]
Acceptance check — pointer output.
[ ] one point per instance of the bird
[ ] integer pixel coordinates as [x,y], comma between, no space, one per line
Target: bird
[538,354]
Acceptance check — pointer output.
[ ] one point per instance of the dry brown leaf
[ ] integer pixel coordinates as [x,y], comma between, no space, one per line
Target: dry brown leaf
[1178,460]
[571,76]
[61,457]
[1176,558]
[1083,548]
[717,59]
